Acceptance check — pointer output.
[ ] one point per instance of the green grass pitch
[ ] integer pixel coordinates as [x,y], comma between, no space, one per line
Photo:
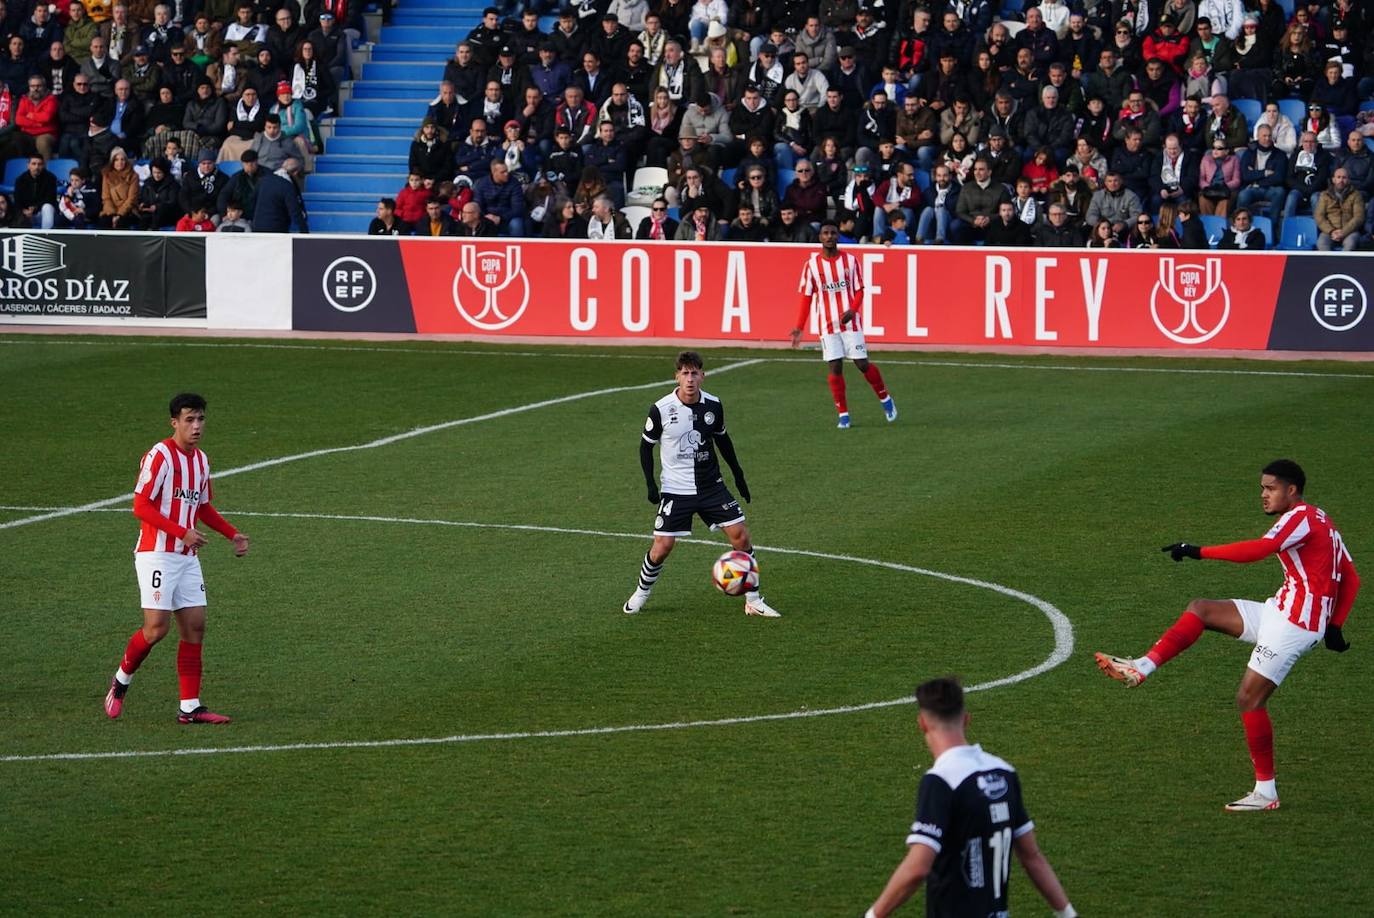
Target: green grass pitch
[1059,477]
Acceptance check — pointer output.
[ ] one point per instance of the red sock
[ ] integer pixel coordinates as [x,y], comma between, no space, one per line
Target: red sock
[837,390]
[135,652]
[1259,736]
[188,670]
[875,379]
[1178,638]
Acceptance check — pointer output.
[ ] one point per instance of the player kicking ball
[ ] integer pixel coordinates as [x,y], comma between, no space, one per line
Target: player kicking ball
[832,286]
[172,495]
[689,424]
[1319,588]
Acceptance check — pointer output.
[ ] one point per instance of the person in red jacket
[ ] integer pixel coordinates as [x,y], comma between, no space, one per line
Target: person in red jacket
[411,200]
[197,220]
[1318,591]
[37,118]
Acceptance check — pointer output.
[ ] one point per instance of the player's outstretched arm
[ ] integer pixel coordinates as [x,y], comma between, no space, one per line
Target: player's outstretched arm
[1042,875]
[905,880]
[646,462]
[727,452]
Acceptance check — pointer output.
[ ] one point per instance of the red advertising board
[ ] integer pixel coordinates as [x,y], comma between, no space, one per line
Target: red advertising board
[940,296]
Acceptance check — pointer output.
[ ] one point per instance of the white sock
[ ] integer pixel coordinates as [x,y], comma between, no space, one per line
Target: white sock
[122,677]
[1267,789]
[189,704]
[753,596]
[1145,665]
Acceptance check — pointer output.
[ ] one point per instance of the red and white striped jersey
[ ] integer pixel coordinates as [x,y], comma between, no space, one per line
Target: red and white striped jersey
[1313,555]
[830,287]
[177,484]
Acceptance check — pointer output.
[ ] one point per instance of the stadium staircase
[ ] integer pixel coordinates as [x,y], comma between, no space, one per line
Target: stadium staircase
[368,146]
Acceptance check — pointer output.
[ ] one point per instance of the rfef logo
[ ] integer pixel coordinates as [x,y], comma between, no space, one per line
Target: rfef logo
[1339,302]
[1197,304]
[490,289]
[349,284]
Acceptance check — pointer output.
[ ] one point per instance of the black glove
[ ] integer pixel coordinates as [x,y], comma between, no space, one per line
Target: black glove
[1335,640]
[653,493]
[743,487]
[1180,550]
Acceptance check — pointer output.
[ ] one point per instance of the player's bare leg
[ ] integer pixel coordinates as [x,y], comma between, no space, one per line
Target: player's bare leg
[754,603]
[875,381]
[191,625]
[1252,699]
[1201,615]
[836,380]
[649,571]
[156,624]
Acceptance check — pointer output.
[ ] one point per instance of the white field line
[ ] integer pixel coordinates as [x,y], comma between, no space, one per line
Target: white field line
[374,444]
[887,359]
[1063,649]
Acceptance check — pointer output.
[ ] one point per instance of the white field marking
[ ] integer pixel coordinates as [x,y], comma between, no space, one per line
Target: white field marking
[384,441]
[1063,649]
[887,359]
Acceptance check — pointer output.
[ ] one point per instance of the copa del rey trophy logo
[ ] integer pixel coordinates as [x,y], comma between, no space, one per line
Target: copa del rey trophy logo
[1190,302]
[490,288]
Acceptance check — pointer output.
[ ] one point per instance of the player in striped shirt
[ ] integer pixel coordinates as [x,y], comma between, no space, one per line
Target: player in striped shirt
[172,495]
[831,288]
[1319,588]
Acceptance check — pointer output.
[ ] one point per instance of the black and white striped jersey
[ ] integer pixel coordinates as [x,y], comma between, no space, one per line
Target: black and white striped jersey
[687,451]
[969,809]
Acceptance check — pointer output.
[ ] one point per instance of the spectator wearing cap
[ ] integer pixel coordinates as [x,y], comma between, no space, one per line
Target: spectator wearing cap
[610,39]
[552,75]
[569,37]
[78,32]
[296,126]
[857,199]
[119,30]
[331,46]
[430,155]
[520,157]
[852,79]
[486,38]
[145,77]
[207,115]
[510,75]
[702,14]
[280,208]
[698,225]
[472,156]
[100,69]
[767,73]
[870,38]
[203,185]
[502,200]
[659,226]
[464,74]
[493,108]
[162,35]
[241,190]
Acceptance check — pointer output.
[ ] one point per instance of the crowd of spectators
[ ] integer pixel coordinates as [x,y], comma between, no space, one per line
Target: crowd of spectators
[149,106]
[1103,122]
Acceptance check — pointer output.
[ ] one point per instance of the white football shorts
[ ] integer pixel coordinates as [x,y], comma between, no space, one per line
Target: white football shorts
[844,344]
[1278,642]
[168,580]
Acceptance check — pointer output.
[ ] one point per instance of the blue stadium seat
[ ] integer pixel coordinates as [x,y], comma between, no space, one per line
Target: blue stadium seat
[922,180]
[1214,227]
[1295,109]
[1012,7]
[1250,108]
[1346,123]
[62,168]
[13,169]
[1367,105]
[1287,7]
[728,177]
[1299,234]
[785,177]
[230,167]
[1266,226]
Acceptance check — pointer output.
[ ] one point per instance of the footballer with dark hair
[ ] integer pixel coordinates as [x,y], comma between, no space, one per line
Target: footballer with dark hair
[1318,590]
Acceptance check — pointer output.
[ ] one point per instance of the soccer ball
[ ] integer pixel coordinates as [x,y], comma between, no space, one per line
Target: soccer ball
[735,573]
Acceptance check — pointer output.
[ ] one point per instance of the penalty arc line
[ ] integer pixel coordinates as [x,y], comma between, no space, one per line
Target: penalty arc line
[373,444]
[1063,649]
